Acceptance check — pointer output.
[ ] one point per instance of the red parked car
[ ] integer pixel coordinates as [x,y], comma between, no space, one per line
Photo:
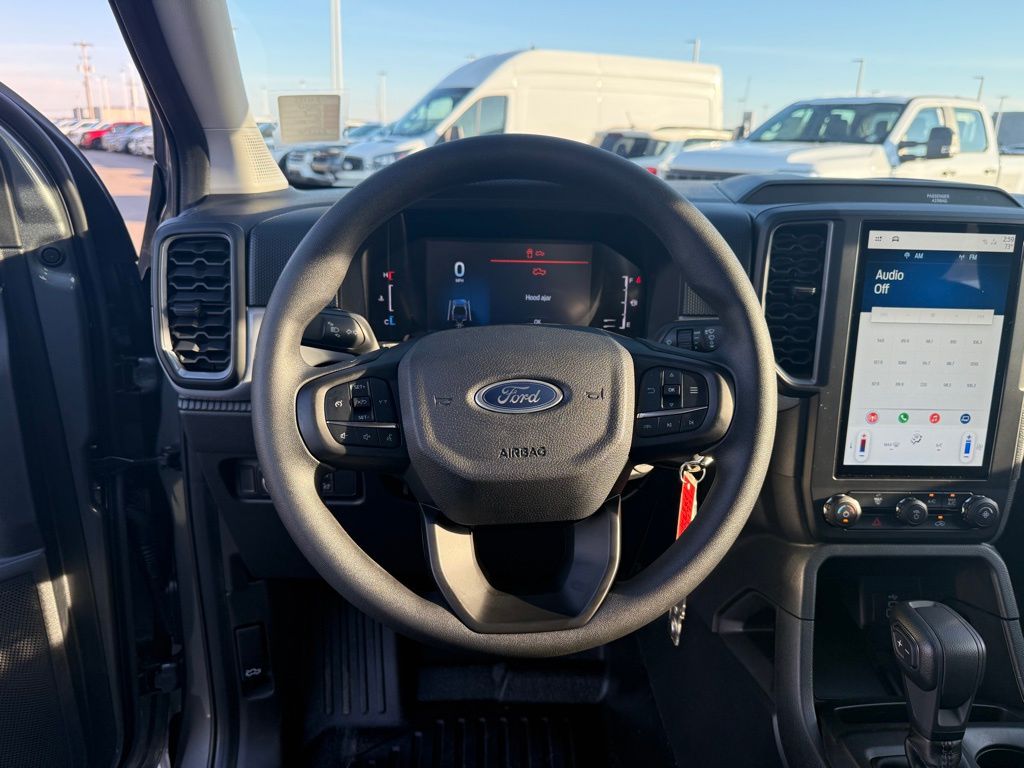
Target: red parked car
[92,139]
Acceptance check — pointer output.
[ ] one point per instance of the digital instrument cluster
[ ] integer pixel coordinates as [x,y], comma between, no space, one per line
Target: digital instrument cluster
[457,283]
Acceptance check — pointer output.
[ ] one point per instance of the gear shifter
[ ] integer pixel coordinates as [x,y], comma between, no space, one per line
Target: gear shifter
[942,659]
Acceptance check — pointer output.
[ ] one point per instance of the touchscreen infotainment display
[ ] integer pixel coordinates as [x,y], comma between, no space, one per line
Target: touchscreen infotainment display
[929,323]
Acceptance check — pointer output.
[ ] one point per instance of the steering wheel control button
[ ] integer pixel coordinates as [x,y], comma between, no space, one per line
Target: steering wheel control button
[672,376]
[361,403]
[842,511]
[672,390]
[383,405]
[338,403]
[388,438]
[911,511]
[648,427]
[695,391]
[980,512]
[650,391]
[353,435]
[667,425]
[693,420]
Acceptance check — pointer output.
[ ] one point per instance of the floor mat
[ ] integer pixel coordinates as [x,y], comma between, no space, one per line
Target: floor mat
[519,738]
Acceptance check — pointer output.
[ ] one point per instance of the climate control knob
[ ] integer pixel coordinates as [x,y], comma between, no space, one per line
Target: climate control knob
[911,511]
[980,512]
[842,511]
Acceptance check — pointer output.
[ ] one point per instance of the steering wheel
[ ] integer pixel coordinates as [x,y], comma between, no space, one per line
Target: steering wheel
[515,424]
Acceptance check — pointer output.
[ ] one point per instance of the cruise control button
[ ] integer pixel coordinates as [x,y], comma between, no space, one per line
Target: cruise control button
[693,420]
[361,403]
[338,404]
[360,388]
[647,427]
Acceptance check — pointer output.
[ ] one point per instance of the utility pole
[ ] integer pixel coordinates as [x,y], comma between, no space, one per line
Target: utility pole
[696,49]
[981,85]
[382,97]
[860,75]
[85,67]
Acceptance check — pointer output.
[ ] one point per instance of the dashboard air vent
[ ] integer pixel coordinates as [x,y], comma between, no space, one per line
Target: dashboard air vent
[199,316]
[793,292]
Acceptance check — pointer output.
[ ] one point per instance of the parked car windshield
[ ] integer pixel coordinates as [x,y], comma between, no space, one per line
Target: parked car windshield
[858,123]
[429,112]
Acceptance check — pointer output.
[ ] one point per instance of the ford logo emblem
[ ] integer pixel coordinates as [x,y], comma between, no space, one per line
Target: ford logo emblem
[518,396]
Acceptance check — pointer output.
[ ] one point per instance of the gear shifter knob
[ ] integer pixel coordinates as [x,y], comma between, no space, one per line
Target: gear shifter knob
[942,659]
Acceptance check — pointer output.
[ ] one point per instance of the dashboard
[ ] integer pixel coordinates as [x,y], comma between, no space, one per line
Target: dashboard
[892,307]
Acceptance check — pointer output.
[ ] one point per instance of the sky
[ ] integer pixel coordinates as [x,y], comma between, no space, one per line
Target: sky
[771,53]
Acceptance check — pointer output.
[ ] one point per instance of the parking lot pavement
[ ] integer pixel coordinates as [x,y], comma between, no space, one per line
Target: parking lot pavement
[128,180]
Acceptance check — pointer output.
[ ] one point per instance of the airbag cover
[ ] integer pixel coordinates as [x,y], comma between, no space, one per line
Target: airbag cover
[482,467]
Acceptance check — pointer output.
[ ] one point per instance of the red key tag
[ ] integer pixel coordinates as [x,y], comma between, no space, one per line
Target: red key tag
[687,501]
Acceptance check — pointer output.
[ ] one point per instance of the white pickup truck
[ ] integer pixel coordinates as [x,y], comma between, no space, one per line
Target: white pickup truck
[917,138]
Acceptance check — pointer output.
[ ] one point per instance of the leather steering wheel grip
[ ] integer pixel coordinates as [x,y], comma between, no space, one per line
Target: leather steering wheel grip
[320,263]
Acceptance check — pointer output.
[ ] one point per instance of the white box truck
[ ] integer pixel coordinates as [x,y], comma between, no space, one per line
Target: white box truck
[552,93]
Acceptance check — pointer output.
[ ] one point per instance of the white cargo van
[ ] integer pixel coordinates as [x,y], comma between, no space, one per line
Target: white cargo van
[553,93]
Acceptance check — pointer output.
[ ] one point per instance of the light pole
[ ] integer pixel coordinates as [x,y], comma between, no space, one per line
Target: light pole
[337,66]
[696,48]
[85,67]
[981,85]
[860,75]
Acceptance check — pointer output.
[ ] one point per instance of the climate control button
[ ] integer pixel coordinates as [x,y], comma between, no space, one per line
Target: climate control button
[911,511]
[980,512]
[842,511]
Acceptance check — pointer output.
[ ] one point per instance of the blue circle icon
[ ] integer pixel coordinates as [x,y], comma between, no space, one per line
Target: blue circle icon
[965,418]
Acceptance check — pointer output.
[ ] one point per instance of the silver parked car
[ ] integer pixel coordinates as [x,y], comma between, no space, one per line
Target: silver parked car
[141,142]
[117,139]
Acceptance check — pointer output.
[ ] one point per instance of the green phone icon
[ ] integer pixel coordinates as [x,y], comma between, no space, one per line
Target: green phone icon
[904,417]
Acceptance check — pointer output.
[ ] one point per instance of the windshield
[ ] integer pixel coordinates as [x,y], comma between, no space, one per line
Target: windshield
[856,123]
[429,112]
[746,80]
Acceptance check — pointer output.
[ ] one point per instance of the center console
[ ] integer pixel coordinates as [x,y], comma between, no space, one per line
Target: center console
[915,435]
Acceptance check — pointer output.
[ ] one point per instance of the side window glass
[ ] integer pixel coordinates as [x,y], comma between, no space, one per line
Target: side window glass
[919,130]
[971,127]
[790,127]
[492,115]
[469,123]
